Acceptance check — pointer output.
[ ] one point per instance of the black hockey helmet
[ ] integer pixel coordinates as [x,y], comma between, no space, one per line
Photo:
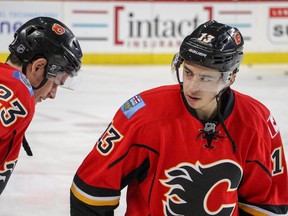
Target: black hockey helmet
[51,39]
[213,45]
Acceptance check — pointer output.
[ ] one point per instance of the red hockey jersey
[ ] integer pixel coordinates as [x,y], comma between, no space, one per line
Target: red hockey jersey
[17,107]
[175,164]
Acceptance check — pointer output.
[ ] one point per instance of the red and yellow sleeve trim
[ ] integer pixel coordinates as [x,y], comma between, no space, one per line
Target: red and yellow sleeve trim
[93,200]
[253,210]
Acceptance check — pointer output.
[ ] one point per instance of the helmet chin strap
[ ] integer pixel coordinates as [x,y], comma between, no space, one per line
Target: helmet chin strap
[178,76]
[221,120]
[43,82]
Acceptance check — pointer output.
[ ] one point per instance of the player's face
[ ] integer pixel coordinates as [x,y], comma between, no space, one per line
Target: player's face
[200,86]
[36,74]
[49,90]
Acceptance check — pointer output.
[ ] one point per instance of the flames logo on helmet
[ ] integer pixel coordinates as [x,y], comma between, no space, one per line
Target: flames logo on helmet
[58,29]
[237,38]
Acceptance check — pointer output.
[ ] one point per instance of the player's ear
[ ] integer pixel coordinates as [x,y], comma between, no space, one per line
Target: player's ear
[36,71]
[233,76]
[39,65]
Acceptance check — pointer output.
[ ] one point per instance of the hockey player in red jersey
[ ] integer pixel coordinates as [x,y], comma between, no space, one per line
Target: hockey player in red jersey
[197,148]
[43,55]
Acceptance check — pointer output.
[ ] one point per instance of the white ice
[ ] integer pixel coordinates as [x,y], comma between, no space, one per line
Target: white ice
[63,132]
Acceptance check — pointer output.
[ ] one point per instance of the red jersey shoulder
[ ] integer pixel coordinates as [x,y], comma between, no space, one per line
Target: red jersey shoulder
[15,80]
[152,104]
[16,96]
[250,106]
[253,114]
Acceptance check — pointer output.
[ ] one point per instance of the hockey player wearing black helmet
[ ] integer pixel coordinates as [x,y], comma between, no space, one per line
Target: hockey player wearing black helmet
[172,145]
[211,56]
[44,54]
[45,44]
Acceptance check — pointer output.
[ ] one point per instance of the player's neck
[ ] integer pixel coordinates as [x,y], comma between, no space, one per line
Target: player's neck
[208,112]
[19,68]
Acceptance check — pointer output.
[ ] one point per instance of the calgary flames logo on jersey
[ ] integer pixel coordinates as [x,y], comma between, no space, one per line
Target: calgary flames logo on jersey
[202,189]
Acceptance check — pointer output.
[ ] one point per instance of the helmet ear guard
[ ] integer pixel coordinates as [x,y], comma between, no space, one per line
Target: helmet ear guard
[175,65]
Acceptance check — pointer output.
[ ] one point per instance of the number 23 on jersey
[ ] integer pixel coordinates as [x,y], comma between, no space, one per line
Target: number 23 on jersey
[12,109]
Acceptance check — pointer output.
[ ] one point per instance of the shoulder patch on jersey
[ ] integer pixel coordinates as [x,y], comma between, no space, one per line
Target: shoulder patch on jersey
[272,126]
[130,107]
[18,75]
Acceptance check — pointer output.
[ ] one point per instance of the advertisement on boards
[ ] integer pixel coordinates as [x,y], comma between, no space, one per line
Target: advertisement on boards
[144,27]
[278,25]
[15,13]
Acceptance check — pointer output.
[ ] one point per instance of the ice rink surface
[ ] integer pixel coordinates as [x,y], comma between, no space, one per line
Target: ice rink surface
[63,132]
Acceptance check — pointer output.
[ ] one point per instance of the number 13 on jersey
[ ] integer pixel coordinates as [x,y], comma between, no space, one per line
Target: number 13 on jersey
[107,141]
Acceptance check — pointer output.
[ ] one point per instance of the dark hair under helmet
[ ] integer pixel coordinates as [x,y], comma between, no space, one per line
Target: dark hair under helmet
[213,45]
[51,39]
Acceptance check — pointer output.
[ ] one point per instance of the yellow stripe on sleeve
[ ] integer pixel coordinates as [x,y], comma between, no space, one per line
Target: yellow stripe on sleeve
[94,201]
[251,210]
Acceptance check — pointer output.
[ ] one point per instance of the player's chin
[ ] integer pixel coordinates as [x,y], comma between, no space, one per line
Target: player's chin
[39,100]
[193,101]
